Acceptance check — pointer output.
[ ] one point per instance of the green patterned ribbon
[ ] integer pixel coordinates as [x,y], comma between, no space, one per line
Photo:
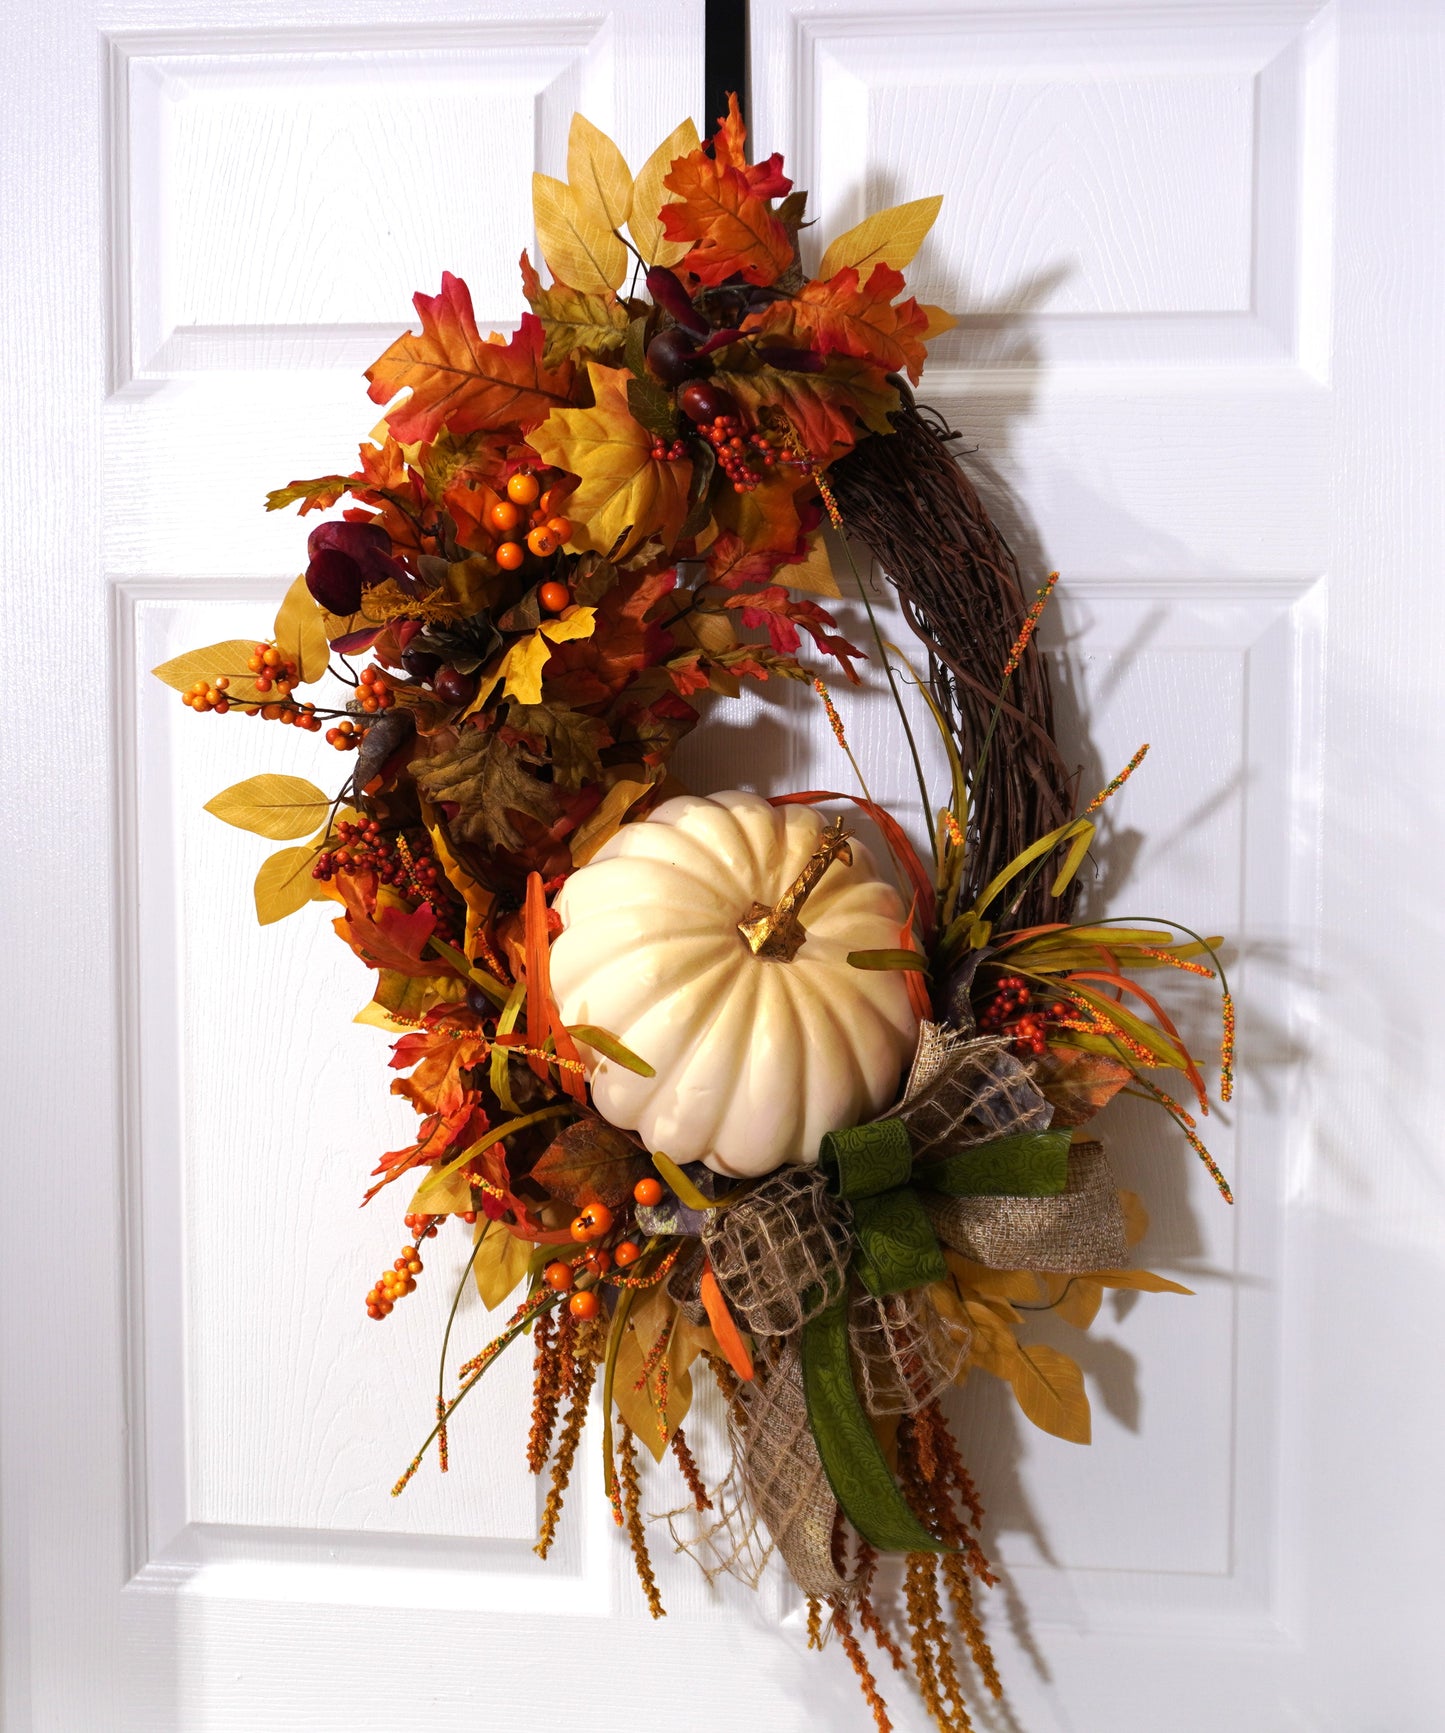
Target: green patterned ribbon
[872,1167]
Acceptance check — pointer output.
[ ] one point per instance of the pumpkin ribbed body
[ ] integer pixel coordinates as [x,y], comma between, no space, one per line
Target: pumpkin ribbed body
[755,1058]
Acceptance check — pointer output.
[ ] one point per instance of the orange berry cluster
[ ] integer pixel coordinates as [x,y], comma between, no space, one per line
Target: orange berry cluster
[546,532]
[738,453]
[302,716]
[373,693]
[398,1281]
[345,736]
[208,695]
[272,670]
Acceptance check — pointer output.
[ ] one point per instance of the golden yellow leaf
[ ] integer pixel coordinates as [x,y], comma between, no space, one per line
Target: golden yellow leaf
[649,196]
[995,1347]
[300,632]
[210,663]
[598,173]
[500,1264]
[814,574]
[281,807]
[581,623]
[606,819]
[581,251]
[1078,1301]
[378,1017]
[284,883]
[888,237]
[1021,1286]
[939,321]
[1049,1387]
[410,997]
[442,1194]
[1142,1281]
[624,495]
[522,669]
[635,1401]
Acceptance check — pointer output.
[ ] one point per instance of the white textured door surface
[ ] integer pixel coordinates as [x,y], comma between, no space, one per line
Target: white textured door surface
[1197,251]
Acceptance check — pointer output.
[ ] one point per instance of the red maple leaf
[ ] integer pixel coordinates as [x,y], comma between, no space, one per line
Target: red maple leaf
[782,614]
[460,381]
[392,936]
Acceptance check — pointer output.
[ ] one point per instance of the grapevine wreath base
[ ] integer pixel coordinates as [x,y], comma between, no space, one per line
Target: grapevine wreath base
[716,1092]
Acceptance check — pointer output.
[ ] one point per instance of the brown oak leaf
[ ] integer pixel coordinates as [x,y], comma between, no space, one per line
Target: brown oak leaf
[591,1162]
[487,778]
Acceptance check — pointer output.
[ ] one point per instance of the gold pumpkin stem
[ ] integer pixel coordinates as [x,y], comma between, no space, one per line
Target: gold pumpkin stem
[777,932]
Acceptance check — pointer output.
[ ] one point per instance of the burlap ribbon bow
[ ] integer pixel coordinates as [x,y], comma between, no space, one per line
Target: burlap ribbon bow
[966,1160]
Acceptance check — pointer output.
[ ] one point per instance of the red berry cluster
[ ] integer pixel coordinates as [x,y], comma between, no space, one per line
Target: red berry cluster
[398,1281]
[373,693]
[345,735]
[668,450]
[738,453]
[364,849]
[1008,1011]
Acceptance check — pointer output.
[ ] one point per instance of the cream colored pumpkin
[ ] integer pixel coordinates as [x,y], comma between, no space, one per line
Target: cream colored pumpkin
[755,1058]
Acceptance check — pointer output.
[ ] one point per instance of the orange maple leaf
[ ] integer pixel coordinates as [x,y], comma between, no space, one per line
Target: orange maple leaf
[732,228]
[845,317]
[451,1042]
[460,381]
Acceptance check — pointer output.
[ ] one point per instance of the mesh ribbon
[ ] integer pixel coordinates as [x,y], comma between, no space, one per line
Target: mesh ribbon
[963,1091]
[781,1254]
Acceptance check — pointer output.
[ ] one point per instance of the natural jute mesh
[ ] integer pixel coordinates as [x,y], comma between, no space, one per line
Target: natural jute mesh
[963,1091]
[1079,1229]
[905,1353]
[783,1476]
[781,1255]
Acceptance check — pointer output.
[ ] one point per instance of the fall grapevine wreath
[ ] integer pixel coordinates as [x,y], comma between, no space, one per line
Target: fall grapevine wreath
[717,1091]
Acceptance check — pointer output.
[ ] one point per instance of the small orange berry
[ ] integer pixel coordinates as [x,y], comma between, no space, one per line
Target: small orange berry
[223,683]
[585,1305]
[542,542]
[648,1191]
[628,1252]
[558,1277]
[523,488]
[599,1261]
[561,527]
[593,1222]
[552,595]
[510,556]
[504,516]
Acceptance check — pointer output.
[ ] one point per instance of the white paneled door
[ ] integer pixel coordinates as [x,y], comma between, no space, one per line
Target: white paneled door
[1197,254]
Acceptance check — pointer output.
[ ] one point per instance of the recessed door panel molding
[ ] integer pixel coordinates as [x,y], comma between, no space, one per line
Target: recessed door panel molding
[1146,184]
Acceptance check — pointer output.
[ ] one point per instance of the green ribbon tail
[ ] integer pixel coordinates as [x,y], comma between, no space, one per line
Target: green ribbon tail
[857,1470]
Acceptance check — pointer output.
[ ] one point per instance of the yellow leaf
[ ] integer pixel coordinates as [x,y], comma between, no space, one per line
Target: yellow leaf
[888,237]
[442,1195]
[938,321]
[580,624]
[1078,1301]
[284,883]
[624,495]
[210,663]
[378,1017]
[1020,1286]
[281,807]
[598,173]
[649,196]
[814,574]
[581,251]
[478,898]
[522,669]
[300,632]
[1049,1388]
[606,819]
[636,1401]
[995,1347]
[1142,1281]
[500,1264]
